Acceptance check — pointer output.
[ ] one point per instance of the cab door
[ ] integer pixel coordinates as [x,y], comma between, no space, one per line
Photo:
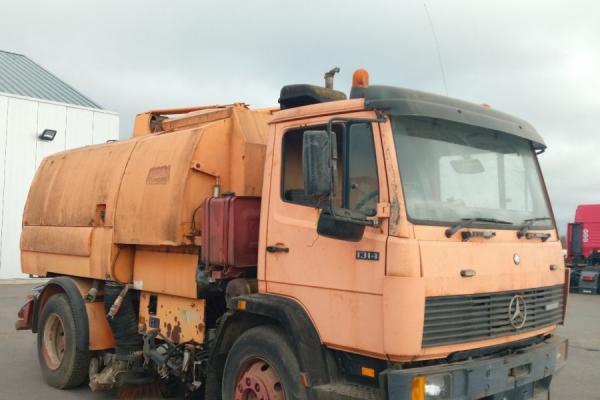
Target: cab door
[339,282]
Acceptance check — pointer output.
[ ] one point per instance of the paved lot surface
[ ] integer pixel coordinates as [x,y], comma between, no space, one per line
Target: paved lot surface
[580,379]
[20,376]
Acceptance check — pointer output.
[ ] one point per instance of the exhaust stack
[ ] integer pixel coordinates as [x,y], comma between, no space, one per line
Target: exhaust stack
[329,77]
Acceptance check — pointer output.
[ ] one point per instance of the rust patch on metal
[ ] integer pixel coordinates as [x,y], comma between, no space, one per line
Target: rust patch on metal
[176,334]
[159,175]
[395,189]
[180,321]
[394,213]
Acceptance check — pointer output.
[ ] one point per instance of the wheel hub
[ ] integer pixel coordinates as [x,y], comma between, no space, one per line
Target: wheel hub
[54,343]
[259,381]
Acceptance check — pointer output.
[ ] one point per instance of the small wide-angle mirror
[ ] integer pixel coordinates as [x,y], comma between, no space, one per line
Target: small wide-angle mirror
[467,166]
[316,154]
[329,226]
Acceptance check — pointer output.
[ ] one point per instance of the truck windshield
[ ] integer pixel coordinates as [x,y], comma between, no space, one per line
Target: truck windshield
[451,172]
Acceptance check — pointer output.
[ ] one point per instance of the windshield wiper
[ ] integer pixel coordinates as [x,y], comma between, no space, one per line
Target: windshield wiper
[527,224]
[467,221]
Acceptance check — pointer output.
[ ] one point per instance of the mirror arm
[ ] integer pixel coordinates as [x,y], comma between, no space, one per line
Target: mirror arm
[358,219]
[380,118]
[374,222]
[383,211]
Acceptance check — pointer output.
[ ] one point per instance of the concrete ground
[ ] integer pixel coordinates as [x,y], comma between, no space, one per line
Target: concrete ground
[20,376]
[580,379]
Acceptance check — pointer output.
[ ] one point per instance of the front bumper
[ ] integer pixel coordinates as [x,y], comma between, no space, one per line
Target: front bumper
[513,377]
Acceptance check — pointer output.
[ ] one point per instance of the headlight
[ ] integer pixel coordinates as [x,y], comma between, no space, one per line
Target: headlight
[432,387]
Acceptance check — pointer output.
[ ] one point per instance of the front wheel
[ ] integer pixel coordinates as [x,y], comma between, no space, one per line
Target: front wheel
[63,365]
[261,365]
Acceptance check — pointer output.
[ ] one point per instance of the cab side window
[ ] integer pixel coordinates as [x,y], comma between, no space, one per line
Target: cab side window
[357,184]
[292,176]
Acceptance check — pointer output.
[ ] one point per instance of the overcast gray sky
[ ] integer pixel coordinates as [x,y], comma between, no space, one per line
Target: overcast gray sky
[539,60]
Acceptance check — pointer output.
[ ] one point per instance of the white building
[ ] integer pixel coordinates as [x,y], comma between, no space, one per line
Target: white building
[33,100]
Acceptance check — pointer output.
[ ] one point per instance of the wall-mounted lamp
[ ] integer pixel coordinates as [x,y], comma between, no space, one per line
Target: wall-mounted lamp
[48,135]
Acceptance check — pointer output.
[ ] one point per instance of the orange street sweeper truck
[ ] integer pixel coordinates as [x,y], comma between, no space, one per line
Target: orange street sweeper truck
[392,244]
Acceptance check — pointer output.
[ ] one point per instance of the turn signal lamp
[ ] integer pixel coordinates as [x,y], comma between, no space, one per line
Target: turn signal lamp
[368,372]
[360,78]
[418,388]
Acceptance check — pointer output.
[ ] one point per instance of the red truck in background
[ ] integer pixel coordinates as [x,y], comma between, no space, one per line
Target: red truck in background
[583,249]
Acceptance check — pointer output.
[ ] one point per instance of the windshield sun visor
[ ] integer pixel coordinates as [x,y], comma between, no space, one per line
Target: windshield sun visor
[406,102]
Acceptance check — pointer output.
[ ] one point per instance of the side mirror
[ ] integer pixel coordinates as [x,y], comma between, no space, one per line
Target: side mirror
[316,161]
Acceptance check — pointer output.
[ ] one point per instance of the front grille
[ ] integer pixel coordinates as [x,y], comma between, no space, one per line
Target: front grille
[468,318]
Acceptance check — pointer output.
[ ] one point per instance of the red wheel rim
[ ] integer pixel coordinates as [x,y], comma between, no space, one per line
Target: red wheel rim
[53,341]
[259,381]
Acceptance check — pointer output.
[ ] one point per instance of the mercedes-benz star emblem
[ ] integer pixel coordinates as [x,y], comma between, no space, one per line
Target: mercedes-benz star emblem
[517,311]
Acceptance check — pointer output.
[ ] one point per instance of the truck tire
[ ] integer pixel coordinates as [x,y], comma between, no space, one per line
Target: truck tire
[63,365]
[262,365]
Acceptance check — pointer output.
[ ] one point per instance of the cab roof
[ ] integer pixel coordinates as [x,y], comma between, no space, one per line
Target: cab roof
[408,102]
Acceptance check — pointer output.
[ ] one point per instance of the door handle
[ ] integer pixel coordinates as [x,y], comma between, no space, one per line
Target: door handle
[277,249]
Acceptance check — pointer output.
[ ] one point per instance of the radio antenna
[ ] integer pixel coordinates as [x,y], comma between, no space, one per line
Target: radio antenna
[437,48]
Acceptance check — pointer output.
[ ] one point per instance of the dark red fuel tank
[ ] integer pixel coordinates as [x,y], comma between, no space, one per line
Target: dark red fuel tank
[230,231]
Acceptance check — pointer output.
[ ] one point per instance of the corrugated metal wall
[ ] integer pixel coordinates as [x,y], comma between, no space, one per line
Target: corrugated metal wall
[21,121]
